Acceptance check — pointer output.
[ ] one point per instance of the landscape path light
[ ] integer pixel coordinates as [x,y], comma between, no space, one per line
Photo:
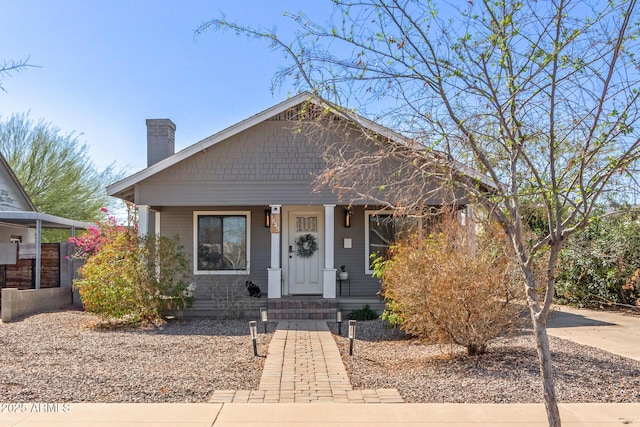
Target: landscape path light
[339,320]
[352,335]
[253,328]
[264,316]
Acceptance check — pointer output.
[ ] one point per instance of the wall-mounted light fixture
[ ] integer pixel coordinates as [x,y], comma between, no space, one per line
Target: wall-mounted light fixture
[267,218]
[347,217]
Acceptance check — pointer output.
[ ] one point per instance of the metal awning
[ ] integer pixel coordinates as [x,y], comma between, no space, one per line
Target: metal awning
[39,221]
[31,219]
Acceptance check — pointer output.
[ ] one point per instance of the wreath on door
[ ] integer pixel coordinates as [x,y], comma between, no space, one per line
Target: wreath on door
[306,245]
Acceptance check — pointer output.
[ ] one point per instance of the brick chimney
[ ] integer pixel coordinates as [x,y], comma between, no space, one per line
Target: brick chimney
[161,135]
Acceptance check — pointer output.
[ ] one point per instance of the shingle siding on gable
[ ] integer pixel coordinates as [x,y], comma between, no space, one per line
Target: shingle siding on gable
[264,164]
[267,152]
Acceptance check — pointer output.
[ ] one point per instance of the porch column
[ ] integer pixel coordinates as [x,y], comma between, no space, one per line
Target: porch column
[329,272]
[156,235]
[275,271]
[143,220]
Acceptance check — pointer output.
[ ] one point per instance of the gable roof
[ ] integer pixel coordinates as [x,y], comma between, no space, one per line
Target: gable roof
[125,188]
[13,196]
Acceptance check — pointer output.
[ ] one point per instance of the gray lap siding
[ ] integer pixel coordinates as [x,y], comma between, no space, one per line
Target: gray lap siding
[179,221]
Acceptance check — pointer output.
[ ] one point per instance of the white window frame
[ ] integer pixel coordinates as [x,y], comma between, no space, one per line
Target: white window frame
[367,215]
[196,214]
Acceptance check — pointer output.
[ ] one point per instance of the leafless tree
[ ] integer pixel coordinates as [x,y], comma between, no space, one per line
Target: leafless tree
[539,97]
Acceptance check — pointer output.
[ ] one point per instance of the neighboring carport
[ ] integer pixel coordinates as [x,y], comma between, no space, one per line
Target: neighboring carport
[39,221]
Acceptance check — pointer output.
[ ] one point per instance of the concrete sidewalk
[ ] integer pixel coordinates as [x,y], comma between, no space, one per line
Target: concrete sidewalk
[612,331]
[320,415]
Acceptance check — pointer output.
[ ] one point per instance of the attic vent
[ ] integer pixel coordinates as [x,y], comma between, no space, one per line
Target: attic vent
[306,111]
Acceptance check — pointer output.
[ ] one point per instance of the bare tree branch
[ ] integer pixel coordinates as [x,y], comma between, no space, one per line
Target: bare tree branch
[8,68]
[539,99]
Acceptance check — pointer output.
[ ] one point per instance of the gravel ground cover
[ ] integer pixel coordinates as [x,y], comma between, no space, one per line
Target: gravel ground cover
[508,373]
[61,357]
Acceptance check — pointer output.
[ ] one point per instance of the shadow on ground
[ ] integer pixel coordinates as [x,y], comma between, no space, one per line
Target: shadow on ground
[561,319]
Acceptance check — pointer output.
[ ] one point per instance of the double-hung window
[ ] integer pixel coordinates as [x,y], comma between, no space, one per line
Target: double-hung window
[221,242]
[382,231]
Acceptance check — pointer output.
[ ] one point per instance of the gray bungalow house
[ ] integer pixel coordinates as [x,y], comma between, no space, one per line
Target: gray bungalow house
[243,205]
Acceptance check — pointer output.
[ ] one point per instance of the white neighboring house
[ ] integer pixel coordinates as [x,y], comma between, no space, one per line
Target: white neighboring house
[13,198]
[20,222]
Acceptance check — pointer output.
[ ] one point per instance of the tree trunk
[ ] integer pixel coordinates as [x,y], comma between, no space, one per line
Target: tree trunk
[546,370]
[544,352]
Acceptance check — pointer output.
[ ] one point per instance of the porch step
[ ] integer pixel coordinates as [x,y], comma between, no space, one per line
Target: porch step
[302,309]
[248,308]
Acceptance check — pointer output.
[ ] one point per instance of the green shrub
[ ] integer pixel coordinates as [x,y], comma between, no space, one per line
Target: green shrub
[447,290]
[363,313]
[391,314]
[126,276]
[600,264]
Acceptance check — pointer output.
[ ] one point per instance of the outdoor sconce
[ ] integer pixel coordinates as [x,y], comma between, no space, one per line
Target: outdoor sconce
[267,218]
[347,218]
[264,317]
[352,335]
[339,321]
[253,328]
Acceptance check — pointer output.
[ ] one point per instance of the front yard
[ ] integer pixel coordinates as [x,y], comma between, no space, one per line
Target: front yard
[59,357]
[507,373]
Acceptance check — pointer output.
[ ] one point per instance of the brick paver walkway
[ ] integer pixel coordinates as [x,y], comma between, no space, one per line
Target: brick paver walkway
[304,365]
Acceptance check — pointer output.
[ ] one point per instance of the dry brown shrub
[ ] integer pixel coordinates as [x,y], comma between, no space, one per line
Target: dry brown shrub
[452,287]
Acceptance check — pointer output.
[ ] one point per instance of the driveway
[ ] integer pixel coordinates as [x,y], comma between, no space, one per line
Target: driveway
[615,332]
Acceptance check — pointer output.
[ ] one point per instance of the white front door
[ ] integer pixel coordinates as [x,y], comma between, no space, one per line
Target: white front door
[305,244]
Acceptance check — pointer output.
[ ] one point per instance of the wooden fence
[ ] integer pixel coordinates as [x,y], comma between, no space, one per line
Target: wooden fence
[22,275]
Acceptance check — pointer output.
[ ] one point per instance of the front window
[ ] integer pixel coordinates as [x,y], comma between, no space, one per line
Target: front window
[383,230]
[221,242]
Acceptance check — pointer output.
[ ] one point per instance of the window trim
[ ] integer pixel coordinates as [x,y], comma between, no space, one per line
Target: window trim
[197,214]
[367,215]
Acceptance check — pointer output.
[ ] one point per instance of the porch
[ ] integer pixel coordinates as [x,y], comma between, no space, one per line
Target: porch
[287,308]
[263,246]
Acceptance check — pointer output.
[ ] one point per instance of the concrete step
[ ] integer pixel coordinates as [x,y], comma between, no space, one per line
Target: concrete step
[302,314]
[302,309]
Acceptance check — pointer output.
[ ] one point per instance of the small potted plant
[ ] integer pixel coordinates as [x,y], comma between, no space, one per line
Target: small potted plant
[343,274]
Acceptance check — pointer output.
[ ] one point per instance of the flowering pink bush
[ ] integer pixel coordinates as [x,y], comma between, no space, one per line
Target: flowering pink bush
[104,232]
[126,275]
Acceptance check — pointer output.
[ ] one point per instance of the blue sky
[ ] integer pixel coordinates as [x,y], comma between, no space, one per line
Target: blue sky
[106,66]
